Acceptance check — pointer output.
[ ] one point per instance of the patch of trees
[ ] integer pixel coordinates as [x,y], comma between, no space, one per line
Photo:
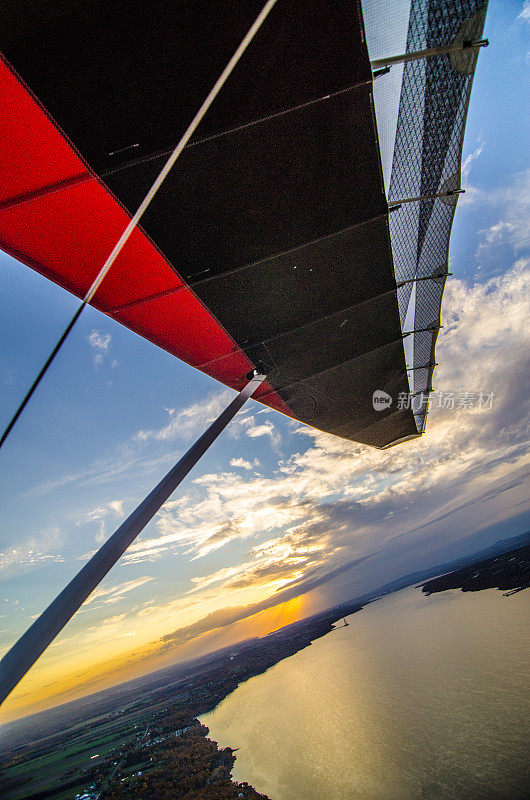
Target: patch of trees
[186,767]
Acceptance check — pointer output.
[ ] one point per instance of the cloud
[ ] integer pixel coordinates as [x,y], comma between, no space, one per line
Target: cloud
[497,231]
[185,423]
[217,619]
[468,161]
[117,507]
[512,228]
[100,343]
[260,430]
[330,502]
[525,12]
[35,551]
[254,431]
[101,534]
[224,617]
[472,192]
[114,506]
[133,456]
[112,594]
[100,513]
[242,464]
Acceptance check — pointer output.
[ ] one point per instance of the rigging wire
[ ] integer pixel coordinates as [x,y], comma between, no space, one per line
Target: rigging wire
[135,219]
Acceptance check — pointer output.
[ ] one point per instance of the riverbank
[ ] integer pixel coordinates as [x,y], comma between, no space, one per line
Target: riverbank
[509,572]
[420,698]
[140,739]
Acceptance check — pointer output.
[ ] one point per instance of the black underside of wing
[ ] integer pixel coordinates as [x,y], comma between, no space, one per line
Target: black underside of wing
[275,214]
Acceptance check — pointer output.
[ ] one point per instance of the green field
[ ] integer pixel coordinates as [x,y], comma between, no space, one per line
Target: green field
[79,755]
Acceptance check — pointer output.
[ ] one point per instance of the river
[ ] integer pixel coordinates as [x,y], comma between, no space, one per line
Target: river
[420,698]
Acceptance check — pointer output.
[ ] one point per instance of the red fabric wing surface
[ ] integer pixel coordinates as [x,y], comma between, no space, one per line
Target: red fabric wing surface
[58,218]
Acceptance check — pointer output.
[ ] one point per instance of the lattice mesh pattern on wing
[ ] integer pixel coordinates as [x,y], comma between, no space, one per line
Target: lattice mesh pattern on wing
[427,156]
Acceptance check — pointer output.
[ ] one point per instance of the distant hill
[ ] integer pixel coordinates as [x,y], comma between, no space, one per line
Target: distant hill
[508,571]
[420,576]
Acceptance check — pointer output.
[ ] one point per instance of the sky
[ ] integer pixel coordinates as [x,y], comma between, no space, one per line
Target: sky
[278,520]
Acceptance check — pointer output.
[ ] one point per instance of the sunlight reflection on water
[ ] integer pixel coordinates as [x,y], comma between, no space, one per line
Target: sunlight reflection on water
[419,698]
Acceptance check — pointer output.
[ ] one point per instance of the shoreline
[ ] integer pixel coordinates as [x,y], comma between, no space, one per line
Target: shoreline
[157,733]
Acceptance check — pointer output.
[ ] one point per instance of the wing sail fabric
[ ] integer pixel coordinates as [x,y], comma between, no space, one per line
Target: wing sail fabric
[270,239]
[427,157]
